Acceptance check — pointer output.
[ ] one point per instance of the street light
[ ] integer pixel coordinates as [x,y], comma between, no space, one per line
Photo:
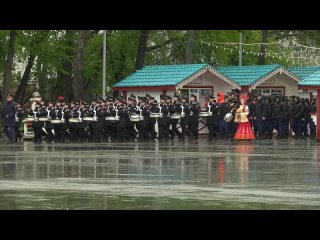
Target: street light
[104,64]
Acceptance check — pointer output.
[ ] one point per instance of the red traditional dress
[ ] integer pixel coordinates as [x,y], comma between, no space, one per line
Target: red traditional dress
[244,128]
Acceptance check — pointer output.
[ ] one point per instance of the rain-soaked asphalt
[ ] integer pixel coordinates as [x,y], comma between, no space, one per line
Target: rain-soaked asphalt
[264,174]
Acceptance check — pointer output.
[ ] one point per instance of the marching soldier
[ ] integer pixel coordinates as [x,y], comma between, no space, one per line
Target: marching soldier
[213,119]
[185,118]
[97,125]
[123,114]
[48,124]
[169,103]
[163,120]
[174,108]
[194,117]
[223,126]
[153,105]
[36,124]
[109,125]
[20,115]
[131,132]
[144,122]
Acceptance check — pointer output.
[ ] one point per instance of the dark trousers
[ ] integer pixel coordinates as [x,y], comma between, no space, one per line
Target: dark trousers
[232,126]
[223,128]
[17,132]
[97,134]
[174,130]
[278,125]
[193,128]
[163,134]
[286,127]
[213,133]
[82,134]
[184,130]
[152,131]
[258,125]
[304,126]
[296,126]
[37,134]
[312,128]
[50,135]
[91,131]
[120,133]
[10,132]
[110,131]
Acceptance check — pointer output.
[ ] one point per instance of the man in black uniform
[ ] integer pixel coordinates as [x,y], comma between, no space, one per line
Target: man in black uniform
[109,125]
[123,113]
[163,120]
[145,113]
[73,126]
[223,125]
[185,117]
[213,118]
[287,117]
[48,124]
[36,124]
[174,108]
[152,122]
[259,116]
[168,102]
[97,125]
[194,117]
[131,132]
[278,114]
[233,104]
[20,115]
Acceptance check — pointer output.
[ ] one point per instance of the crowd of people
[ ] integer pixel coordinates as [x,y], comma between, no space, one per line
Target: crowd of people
[232,116]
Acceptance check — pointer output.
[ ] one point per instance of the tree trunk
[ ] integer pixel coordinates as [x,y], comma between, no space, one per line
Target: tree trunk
[191,38]
[20,94]
[66,76]
[7,76]
[262,56]
[144,34]
[78,64]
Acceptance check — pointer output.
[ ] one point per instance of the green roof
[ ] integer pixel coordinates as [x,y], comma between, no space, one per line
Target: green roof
[247,75]
[311,80]
[303,72]
[160,75]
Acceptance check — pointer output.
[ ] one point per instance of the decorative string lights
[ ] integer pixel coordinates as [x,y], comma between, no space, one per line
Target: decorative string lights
[307,55]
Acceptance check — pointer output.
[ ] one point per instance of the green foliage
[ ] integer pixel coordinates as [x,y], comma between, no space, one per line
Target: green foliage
[53,48]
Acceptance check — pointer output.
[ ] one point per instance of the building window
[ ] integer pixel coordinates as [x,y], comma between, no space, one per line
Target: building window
[201,93]
[270,91]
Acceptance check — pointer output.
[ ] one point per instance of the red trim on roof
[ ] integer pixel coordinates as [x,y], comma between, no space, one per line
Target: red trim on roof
[144,88]
[309,87]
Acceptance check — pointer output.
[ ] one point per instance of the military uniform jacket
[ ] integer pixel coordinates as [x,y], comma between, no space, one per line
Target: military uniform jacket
[163,121]
[100,114]
[186,109]
[214,109]
[195,110]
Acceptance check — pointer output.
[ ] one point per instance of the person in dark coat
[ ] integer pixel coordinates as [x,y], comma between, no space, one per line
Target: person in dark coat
[278,115]
[259,116]
[223,125]
[305,120]
[20,115]
[9,118]
[297,112]
[152,123]
[175,108]
[36,124]
[213,118]
[185,119]
[194,117]
[163,120]
[287,116]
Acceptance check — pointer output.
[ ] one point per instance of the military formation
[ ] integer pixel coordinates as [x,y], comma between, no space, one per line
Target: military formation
[127,119]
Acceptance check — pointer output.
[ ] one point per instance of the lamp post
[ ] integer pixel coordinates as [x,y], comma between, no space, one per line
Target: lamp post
[104,64]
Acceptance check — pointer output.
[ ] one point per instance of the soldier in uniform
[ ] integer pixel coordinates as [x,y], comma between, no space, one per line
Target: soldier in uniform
[97,125]
[73,127]
[163,120]
[144,122]
[83,134]
[21,113]
[132,108]
[153,105]
[259,116]
[278,114]
[123,114]
[109,125]
[169,103]
[286,118]
[213,120]
[233,104]
[57,114]
[194,117]
[223,125]
[174,108]
[48,125]
[36,124]
[185,118]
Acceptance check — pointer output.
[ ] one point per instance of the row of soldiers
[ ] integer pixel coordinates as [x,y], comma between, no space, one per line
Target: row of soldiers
[265,115]
[121,128]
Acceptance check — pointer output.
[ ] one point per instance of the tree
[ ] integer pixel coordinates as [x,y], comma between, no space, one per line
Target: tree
[191,38]
[262,56]
[7,76]
[144,34]
[79,86]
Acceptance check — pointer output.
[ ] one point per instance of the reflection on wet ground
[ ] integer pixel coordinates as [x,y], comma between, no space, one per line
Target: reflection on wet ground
[264,174]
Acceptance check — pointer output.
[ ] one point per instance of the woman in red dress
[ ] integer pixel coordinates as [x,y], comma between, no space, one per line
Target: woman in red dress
[244,128]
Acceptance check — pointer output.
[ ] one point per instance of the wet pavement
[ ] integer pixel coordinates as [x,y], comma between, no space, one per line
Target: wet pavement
[264,174]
